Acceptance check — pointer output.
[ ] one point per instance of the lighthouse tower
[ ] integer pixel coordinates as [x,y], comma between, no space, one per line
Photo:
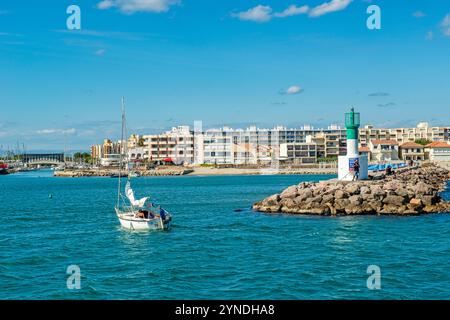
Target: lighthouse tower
[345,163]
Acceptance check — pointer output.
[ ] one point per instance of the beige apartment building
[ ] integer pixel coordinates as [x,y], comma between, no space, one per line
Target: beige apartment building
[317,147]
[107,153]
[105,149]
[411,151]
[402,135]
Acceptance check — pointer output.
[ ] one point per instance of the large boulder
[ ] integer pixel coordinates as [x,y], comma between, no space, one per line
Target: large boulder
[290,192]
[430,200]
[316,199]
[355,200]
[392,209]
[422,188]
[364,190]
[394,200]
[327,198]
[377,193]
[403,192]
[340,194]
[274,199]
[288,205]
[341,204]
[352,188]
[304,194]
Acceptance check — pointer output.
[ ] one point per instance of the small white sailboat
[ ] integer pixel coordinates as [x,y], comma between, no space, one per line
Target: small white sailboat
[137,214]
[133,174]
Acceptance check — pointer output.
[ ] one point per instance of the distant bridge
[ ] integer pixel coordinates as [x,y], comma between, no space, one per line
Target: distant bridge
[43,158]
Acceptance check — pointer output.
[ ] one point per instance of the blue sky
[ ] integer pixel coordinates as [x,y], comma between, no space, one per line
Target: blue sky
[226,62]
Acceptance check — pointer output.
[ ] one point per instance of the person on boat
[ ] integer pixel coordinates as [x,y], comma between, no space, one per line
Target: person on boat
[356,170]
[140,214]
[162,213]
[388,170]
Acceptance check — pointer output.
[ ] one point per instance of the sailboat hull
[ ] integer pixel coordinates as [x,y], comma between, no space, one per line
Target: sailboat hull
[130,222]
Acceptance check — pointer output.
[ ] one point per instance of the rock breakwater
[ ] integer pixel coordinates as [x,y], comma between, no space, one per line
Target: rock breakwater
[77,173]
[410,191]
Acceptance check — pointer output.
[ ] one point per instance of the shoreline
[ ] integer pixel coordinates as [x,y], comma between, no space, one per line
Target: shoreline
[195,171]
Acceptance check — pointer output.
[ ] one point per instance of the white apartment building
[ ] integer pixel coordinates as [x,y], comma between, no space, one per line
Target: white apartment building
[137,154]
[299,152]
[110,160]
[383,150]
[176,145]
[438,151]
[258,146]
[217,146]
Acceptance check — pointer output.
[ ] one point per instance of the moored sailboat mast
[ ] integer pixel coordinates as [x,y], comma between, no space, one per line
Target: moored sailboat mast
[121,150]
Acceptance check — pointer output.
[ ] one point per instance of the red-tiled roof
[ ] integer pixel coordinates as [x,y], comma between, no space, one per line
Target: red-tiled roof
[391,142]
[438,144]
[410,144]
[363,149]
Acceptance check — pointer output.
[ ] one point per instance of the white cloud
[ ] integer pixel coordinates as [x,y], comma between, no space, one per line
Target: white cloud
[259,13]
[69,131]
[429,35]
[105,4]
[132,6]
[328,7]
[100,52]
[445,24]
[292,90]
[56,131]
[262,13]
[446,21]
[419,14]
[292,10]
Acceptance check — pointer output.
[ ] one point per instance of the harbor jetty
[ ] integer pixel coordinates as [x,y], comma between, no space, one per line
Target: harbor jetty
[409,191]
[77,173]
[193,171]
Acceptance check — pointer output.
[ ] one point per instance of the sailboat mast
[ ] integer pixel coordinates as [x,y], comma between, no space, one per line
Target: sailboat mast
[120,150]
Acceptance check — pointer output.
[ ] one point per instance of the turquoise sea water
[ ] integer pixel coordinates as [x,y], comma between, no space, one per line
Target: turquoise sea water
[212,252]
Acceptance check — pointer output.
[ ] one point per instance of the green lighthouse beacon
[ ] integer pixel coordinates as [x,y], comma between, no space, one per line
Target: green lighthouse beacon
[346,163]
[352,122]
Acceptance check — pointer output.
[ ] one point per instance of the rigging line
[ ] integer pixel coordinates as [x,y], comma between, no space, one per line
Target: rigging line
[120,152]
